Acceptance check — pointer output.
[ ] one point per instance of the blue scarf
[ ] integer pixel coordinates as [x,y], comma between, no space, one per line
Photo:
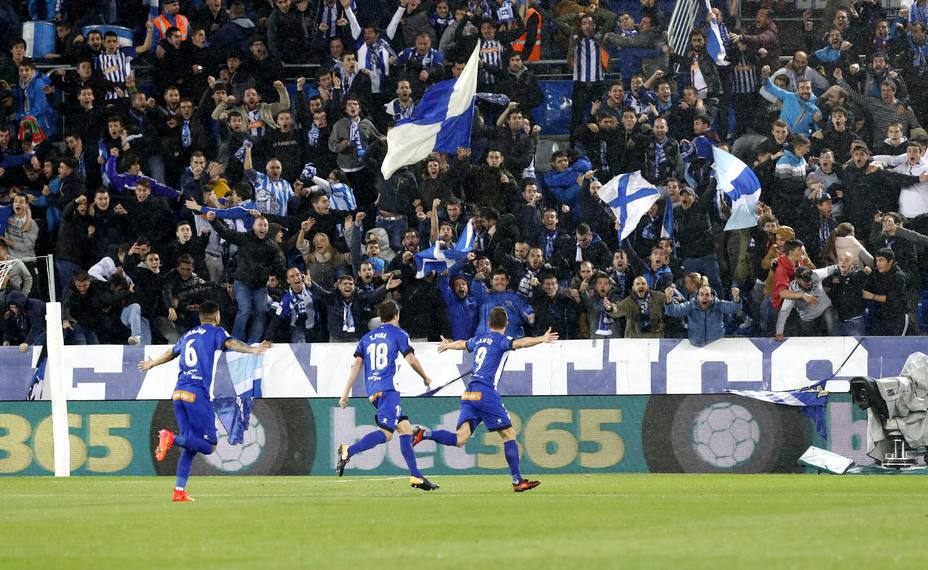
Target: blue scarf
[312,137]
[356,138]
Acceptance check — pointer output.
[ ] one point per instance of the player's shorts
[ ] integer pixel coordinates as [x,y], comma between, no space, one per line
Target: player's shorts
[483,404]
[389,411]
[194,412]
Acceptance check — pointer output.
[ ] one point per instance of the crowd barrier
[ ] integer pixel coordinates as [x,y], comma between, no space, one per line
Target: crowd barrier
[578,406]
[566,368]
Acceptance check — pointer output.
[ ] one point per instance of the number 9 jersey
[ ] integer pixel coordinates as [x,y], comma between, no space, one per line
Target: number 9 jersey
[379,349]
[490,353]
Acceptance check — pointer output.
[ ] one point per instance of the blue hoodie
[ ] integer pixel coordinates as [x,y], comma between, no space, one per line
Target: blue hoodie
[704,325]
[563,187]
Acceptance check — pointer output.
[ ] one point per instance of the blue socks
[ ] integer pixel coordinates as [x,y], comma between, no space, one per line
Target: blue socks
[511,449]
[183,467]
[193,444]
[369,441]
[409,455]
[442,436]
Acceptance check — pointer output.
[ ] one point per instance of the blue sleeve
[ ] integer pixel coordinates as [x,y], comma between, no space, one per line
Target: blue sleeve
[527,309]
[223,337]
[471,342]
[445,289]
[729,307]
[678,310]
[507,343]
[776,91]
[402,344]
[359,350]
[236,213]
[14,160]
[283,310]
[159,189]
[478,291]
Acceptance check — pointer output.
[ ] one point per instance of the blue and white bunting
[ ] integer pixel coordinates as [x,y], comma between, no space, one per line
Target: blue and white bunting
[441,121]
[740,185]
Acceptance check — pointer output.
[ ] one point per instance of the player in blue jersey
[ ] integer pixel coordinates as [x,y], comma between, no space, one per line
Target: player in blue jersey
[481,402]
[192,406]
[377,353]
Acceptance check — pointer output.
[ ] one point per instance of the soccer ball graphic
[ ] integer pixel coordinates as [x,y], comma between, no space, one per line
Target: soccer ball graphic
[232,458]
[724,434]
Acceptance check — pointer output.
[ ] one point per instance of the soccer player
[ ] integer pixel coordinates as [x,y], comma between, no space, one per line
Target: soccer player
[192,406]
[377,352]
[481,402]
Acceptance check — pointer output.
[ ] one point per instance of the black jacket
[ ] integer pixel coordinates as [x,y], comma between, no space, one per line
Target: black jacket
[256,258]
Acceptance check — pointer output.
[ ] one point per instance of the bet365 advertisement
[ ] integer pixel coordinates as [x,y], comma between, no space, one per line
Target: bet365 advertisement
[573,434]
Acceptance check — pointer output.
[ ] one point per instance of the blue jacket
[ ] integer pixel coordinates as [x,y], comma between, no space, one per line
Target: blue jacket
[704,326]
[563,187]
[793,108]
[463,313]
[517,309]
[31,100]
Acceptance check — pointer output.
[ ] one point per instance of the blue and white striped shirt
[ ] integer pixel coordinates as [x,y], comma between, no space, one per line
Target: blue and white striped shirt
[491,53]
[270,196]
[116,68]
[341,196]
[588,61]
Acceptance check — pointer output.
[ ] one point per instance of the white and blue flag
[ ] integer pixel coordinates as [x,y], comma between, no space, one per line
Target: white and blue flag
[740,185]
[441,121]
[630,196]
[233,398]
[811,401]
[714,43]
[438,260]
[667,224]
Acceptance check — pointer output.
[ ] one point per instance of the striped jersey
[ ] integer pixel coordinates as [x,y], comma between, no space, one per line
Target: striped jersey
[271,196]
[491,53]
[116,67]
[588,61]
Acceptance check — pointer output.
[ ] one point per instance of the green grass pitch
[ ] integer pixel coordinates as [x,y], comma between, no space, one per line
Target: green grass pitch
[474,522]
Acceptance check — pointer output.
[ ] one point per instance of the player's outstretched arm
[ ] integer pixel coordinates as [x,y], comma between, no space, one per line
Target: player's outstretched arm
[150,363]
[528,341]
[355,368]
[446,344]
[417,366]
[236,345]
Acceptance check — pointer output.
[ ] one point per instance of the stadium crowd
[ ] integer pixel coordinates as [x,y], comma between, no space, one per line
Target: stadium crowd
[230,173]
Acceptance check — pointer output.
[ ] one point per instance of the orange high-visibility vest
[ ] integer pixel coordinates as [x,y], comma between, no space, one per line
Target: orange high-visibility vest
[162,23]
[519,44]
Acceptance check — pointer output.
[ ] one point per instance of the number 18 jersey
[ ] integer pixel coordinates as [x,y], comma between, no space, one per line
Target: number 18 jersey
[379,349]
[198,351]
[490,353]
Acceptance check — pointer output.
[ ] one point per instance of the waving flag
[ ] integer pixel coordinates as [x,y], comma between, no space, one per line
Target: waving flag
[742,187]
[667,224]
[714,43]
[438,260]
[441,121]
[233,408]
[630,196]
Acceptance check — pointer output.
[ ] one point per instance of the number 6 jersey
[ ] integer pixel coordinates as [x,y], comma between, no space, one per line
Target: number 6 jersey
[197,352]
[379,349]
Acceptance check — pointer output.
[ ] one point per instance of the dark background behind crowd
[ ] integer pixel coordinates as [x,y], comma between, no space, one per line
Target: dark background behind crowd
[230,151]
